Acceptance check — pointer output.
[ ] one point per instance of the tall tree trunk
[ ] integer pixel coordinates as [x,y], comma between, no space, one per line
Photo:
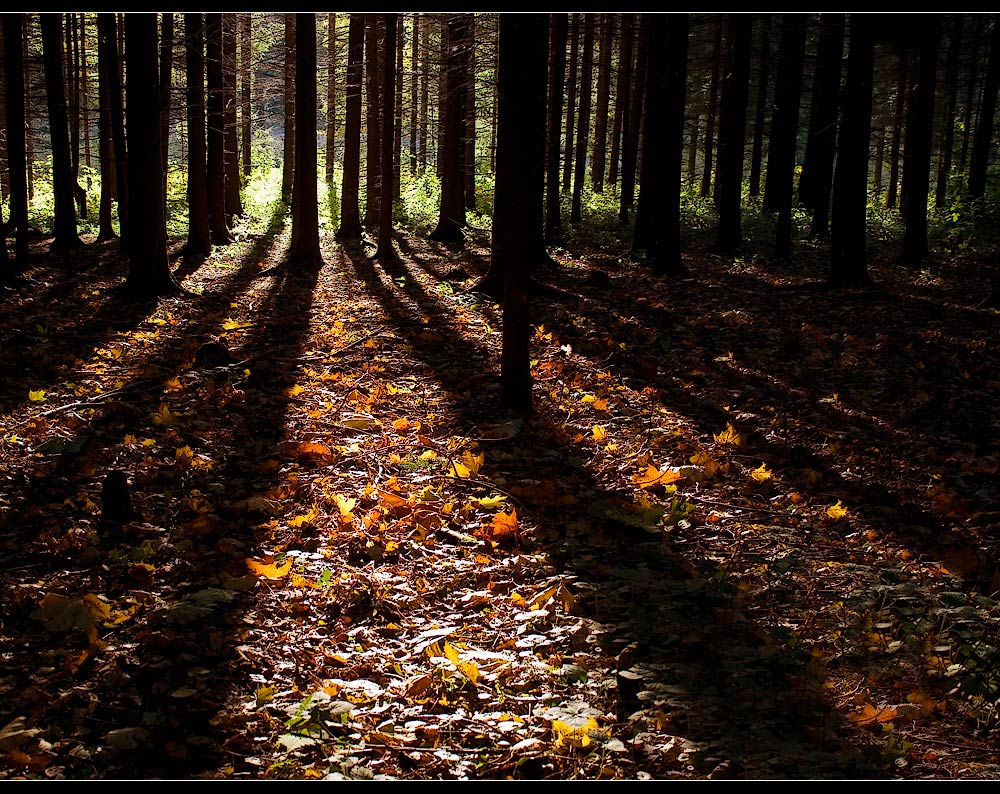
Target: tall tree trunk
[17,158]
[107,53]
[85,92]
[425,34]
[414,92]
[65,236]
[848,213]
[149,273]
[469,133]
[971,87]
[982,139]
[331,97]
[231,139]
[571,83]
[305,249]
[892,191]
[166,86]
[246,57]
[519,186]
[350,189]
[780,178]
[622,87]
[710,113]
[919,140]
[732,133]
[374,166]
[216,121]
[583,119]
[288,149]
[760,113]
[558,33]
[199,239]
[817,170]
[630,135]
[29,137]
[946,150]
[451,219]
[384,250]
[607,37]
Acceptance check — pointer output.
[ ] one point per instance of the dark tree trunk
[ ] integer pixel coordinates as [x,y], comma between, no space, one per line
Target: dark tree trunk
[451,220]
[216,121]
[425,90]
[892,192]
[598,158]
[571,81]
[760,114]
[848,214]
[397,138]
[350,189]
[304,249]
[732,133]
[199,239]
[469,127]
[245,83]
[780,178]
[13,35]
[710,113]
[919,140]
[982,138]
[288,149]
[414,92]
[65,236]
[148,268]
[622,88]
[519,186]
[116,169]
[231,139]
[947,147]
[816,181]
[971,87]
[583,119]
[630,135]
[73,108]
[374,166]
[384,250]
[166,75]
[559,29]
[331,97]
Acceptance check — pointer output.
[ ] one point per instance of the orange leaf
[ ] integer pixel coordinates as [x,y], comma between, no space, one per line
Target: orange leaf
[653,476]
[269,570]
[505,525]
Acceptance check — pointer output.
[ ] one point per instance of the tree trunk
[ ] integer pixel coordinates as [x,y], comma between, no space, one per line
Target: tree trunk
[559,30]
[710,113]
[231,139]
[583,119]
[519,186]
[892,192]
[65,236]
[304,249]
[946,150]
[216,121]
[972,86]
[848,214]
[384,250]
[166,77]
[622,88]
[425,34]
[760,114]
[919,140]
[607,37]
[817,170]
[288,149]
[780,178]
[148,267]
[374,166]
[199,239]
[107,53]
[246,57]
[571,82]
[350,189]
[982,138]
[732,133]
[630,135]
[13,60]
[451,219]
[331,97]
[414,92]
[469,128]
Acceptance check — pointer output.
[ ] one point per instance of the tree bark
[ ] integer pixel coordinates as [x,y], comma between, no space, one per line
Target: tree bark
[350,189]
[373,112]
[451,219]
[384,250]
[13,35]
[216,121]
[199,239]
[630,135]
[305,249]
[982,138]
[711,111]
[288,148]
[559,30]
[760,112]
[330,160]
[571,82]
[947,147]
[231,138]
[583,119]
[598,158]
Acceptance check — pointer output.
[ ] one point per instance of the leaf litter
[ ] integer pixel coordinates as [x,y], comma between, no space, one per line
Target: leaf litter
[730,543]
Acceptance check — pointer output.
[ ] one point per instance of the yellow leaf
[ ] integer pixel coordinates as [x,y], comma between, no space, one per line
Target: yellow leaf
[345,504]
[37,396]
[492,502]
[599,433]
[269,570]
[467,669]
[653,476]
[836,511]
[265,694]
[575,736]
[184,455]
[600,405]
[505,525]
[469,466]
[401,424]
[163,417]
[307,518]
[728,436]
[230,324]
[761,473]
[707,462]
[295,390]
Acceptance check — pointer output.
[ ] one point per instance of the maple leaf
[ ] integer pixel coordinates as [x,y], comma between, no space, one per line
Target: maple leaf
[654,476]
[269,570]
[836,511]
[466,668]
[469,465]
[504,526]
[37,396]
[599,433]
[761,473]
[729,436]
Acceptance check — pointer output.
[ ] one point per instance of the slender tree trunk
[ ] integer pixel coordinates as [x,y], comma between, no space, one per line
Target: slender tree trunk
[971,88]
[892,192]
[246,57]
[331,97]
[571,81]
[85,92]
[384,250]
[117,170]
[607,37]
[288,158]
[17,158]
[65,236]
[982,139]
[199,239]
[732,133]
[374,166]
[469,134]
[231,139]
[451,219]
[149,273]
[559,30]
[305,249]
[848,214]
[583,119]
[630,135]
[414,92]
[710,113]
[216,121]
[350,189]
[29,136]
[166,77]
[425,33]
[760,114]
[947,147]
[622,86]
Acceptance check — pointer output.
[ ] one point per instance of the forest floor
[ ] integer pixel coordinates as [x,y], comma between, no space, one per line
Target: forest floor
[750,532]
